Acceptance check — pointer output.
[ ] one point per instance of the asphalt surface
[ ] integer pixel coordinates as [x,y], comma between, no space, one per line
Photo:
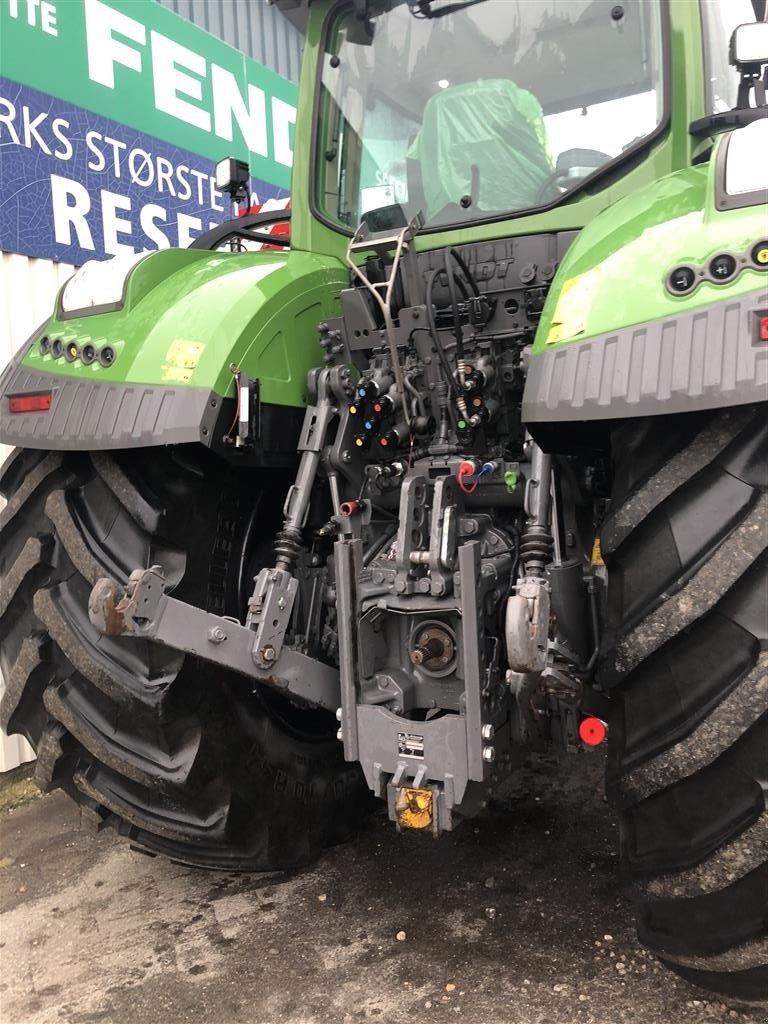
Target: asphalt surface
[518,918]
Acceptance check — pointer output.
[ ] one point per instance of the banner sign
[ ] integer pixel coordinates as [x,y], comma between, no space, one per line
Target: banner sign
[112,116]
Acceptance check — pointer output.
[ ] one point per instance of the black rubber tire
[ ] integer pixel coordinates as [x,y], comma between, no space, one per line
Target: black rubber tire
[184,759]
[685,661]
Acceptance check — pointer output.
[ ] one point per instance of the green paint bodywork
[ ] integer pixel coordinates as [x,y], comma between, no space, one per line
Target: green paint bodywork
[621,260]
[258,310]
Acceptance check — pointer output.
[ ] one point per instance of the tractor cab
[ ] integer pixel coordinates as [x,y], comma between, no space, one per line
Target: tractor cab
[496,118]
[470,112]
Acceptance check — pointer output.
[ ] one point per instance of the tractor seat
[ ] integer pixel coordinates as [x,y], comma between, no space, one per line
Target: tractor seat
[484,140]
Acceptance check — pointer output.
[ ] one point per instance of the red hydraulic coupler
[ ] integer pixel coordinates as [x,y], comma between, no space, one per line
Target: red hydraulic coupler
[593,731]
[349,508]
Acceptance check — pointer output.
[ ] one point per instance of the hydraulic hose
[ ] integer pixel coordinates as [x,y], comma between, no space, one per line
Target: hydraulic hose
[418,401]
[457,332]
[434,332]
[459,259]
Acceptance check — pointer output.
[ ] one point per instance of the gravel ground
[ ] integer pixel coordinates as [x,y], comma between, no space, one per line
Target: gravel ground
[517,918]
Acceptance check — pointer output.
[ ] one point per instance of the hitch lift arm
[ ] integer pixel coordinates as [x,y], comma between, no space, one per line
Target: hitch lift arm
[143,609]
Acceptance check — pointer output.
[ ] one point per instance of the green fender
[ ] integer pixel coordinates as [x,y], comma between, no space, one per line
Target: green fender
[186,318]
[188,314]
[614,340]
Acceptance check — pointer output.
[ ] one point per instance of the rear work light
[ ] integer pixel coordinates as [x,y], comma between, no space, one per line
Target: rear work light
[41,402]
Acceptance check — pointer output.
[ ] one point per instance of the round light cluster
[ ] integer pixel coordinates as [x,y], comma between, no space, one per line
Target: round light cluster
[720,269]
[71,351]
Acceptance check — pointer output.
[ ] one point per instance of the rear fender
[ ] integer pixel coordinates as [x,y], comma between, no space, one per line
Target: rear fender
[184,320]
[619,338]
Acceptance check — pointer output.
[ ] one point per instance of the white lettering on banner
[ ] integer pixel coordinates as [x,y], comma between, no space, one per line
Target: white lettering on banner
[215,195]
[73,214]
[114,225]
[48,18]
[186,226]
[199,177]
[283,116]
[167,59]
[117,146]
[67,216]
[30,130]
[104,51]
[33,130]
[8,118]
[178,74]
[47,14]
[141,168]
[228,103]
[91,139]
[57,127]
[112,219]
[149,214]
[164,177]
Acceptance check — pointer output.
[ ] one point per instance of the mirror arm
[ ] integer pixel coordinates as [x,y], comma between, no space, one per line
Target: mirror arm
[714,124]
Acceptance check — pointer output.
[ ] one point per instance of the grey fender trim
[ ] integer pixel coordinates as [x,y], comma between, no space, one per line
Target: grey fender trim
[97,415]
[702,359]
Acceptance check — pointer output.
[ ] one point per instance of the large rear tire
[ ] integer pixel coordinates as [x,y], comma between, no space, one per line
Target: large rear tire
[686,665]
[183,758]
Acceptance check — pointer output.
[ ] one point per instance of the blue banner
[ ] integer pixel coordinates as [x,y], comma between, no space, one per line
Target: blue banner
[78,186]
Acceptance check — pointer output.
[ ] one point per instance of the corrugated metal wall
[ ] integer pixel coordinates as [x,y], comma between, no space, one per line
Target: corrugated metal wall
[253,26]
[28,289]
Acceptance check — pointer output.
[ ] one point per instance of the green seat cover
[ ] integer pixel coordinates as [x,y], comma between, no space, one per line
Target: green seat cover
[492,124]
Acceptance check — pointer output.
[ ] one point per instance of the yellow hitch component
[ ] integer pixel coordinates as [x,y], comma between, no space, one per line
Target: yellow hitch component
[597,554]
[413,808]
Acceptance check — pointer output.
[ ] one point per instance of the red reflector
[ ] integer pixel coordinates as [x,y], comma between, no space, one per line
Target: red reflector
[31,403]
[764,328]
[592,731]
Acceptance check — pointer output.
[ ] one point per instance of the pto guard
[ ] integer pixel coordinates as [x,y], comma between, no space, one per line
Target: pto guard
[619,338]
[147,357]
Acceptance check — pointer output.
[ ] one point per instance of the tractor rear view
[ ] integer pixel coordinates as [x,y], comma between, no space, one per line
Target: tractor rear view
[476,466]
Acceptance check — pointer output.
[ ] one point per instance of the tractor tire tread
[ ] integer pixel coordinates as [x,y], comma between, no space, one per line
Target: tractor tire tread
[685,663]
[162,748]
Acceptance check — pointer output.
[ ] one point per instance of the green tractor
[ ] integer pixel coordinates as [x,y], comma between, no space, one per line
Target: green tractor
[475,466]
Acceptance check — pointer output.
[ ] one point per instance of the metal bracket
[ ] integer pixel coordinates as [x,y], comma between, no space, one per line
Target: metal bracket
[269,613]
[367,241]
[412,536]
[443,541]
[471,629]
[143,609]
[526,627]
